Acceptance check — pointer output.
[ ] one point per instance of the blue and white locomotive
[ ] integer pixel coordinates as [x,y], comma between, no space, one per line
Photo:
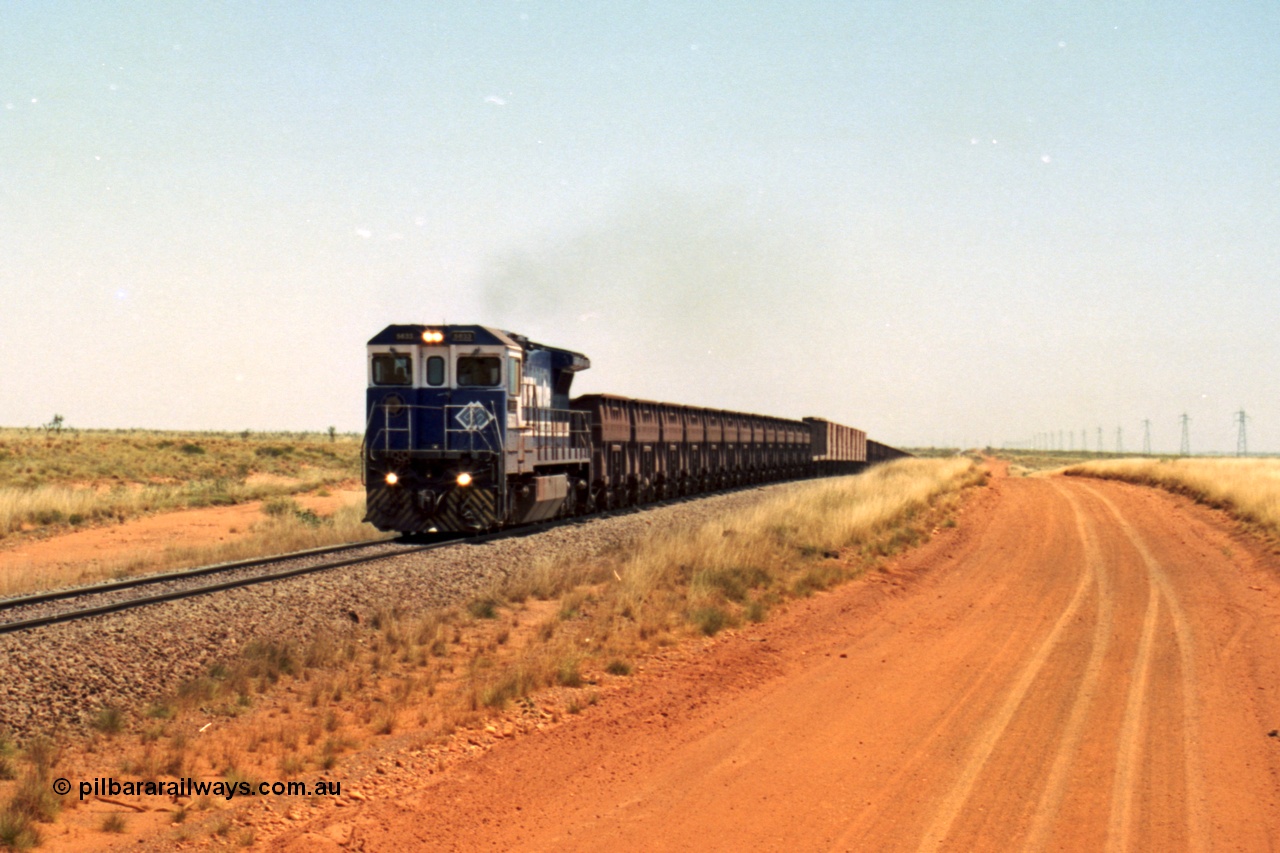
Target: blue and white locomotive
[469,428]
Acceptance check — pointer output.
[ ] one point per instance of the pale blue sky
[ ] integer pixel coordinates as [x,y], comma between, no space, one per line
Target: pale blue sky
[947,223]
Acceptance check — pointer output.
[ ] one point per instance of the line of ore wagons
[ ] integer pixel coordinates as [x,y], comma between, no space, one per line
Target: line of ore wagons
[643,450]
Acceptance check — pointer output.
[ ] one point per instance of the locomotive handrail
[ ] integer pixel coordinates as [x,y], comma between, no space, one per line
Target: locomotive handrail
[376,435]
[472,427]
[554,435]
[560,435]
[385,431]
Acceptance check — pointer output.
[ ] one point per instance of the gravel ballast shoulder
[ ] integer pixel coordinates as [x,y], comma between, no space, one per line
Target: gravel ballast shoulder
[58,678]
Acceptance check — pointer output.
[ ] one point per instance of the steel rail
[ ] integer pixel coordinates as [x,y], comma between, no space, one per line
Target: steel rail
[174,595]
[181,574]
[191,592]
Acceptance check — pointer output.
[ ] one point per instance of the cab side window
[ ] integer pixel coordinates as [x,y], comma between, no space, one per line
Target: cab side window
[513,377]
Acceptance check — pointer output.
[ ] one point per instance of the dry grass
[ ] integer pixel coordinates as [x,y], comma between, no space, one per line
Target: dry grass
[1026,462]
[1249,489]
[721,573]
[74,478]
[277,532]
[32,800]
[549,641]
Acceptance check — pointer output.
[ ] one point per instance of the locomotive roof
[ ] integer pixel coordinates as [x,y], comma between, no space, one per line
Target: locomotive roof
[411,333]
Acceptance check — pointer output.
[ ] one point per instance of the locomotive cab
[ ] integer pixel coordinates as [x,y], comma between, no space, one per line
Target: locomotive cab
[468,428]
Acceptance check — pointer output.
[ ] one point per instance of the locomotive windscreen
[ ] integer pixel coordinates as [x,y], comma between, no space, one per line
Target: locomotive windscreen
[479,371]
[392,369]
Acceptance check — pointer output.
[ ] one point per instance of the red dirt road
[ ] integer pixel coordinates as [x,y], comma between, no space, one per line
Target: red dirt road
[1081,665]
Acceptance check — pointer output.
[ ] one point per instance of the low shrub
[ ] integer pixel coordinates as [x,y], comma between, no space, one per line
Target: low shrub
[485,607]
[710,620]
[618,667]
[17,832]
[109,720]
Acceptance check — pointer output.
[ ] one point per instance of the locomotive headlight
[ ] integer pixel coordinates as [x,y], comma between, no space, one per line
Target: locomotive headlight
[431,336]
[392,478]
[464,479]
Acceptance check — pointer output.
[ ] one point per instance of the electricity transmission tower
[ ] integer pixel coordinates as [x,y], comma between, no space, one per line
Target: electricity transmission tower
[1146,436]
[1242,443]
[1119,440]
[1185,449]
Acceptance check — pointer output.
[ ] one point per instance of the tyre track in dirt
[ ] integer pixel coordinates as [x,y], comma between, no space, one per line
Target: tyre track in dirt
[1081,665]
[1050,801]
[986,743]
[1160,590]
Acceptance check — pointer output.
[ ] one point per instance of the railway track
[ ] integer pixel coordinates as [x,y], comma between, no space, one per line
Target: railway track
[57,677]
[73,603]
[65,605]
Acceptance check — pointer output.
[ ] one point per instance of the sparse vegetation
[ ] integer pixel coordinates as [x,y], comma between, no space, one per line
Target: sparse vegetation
[109,720]
[1247,488]
[1026,462]
[8,753]
[32,801]
[561,626]
[274,534]
[709,620]
[17,832]
[713,577]
[755,611]
[618,667]
[484,607]
[49,477]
